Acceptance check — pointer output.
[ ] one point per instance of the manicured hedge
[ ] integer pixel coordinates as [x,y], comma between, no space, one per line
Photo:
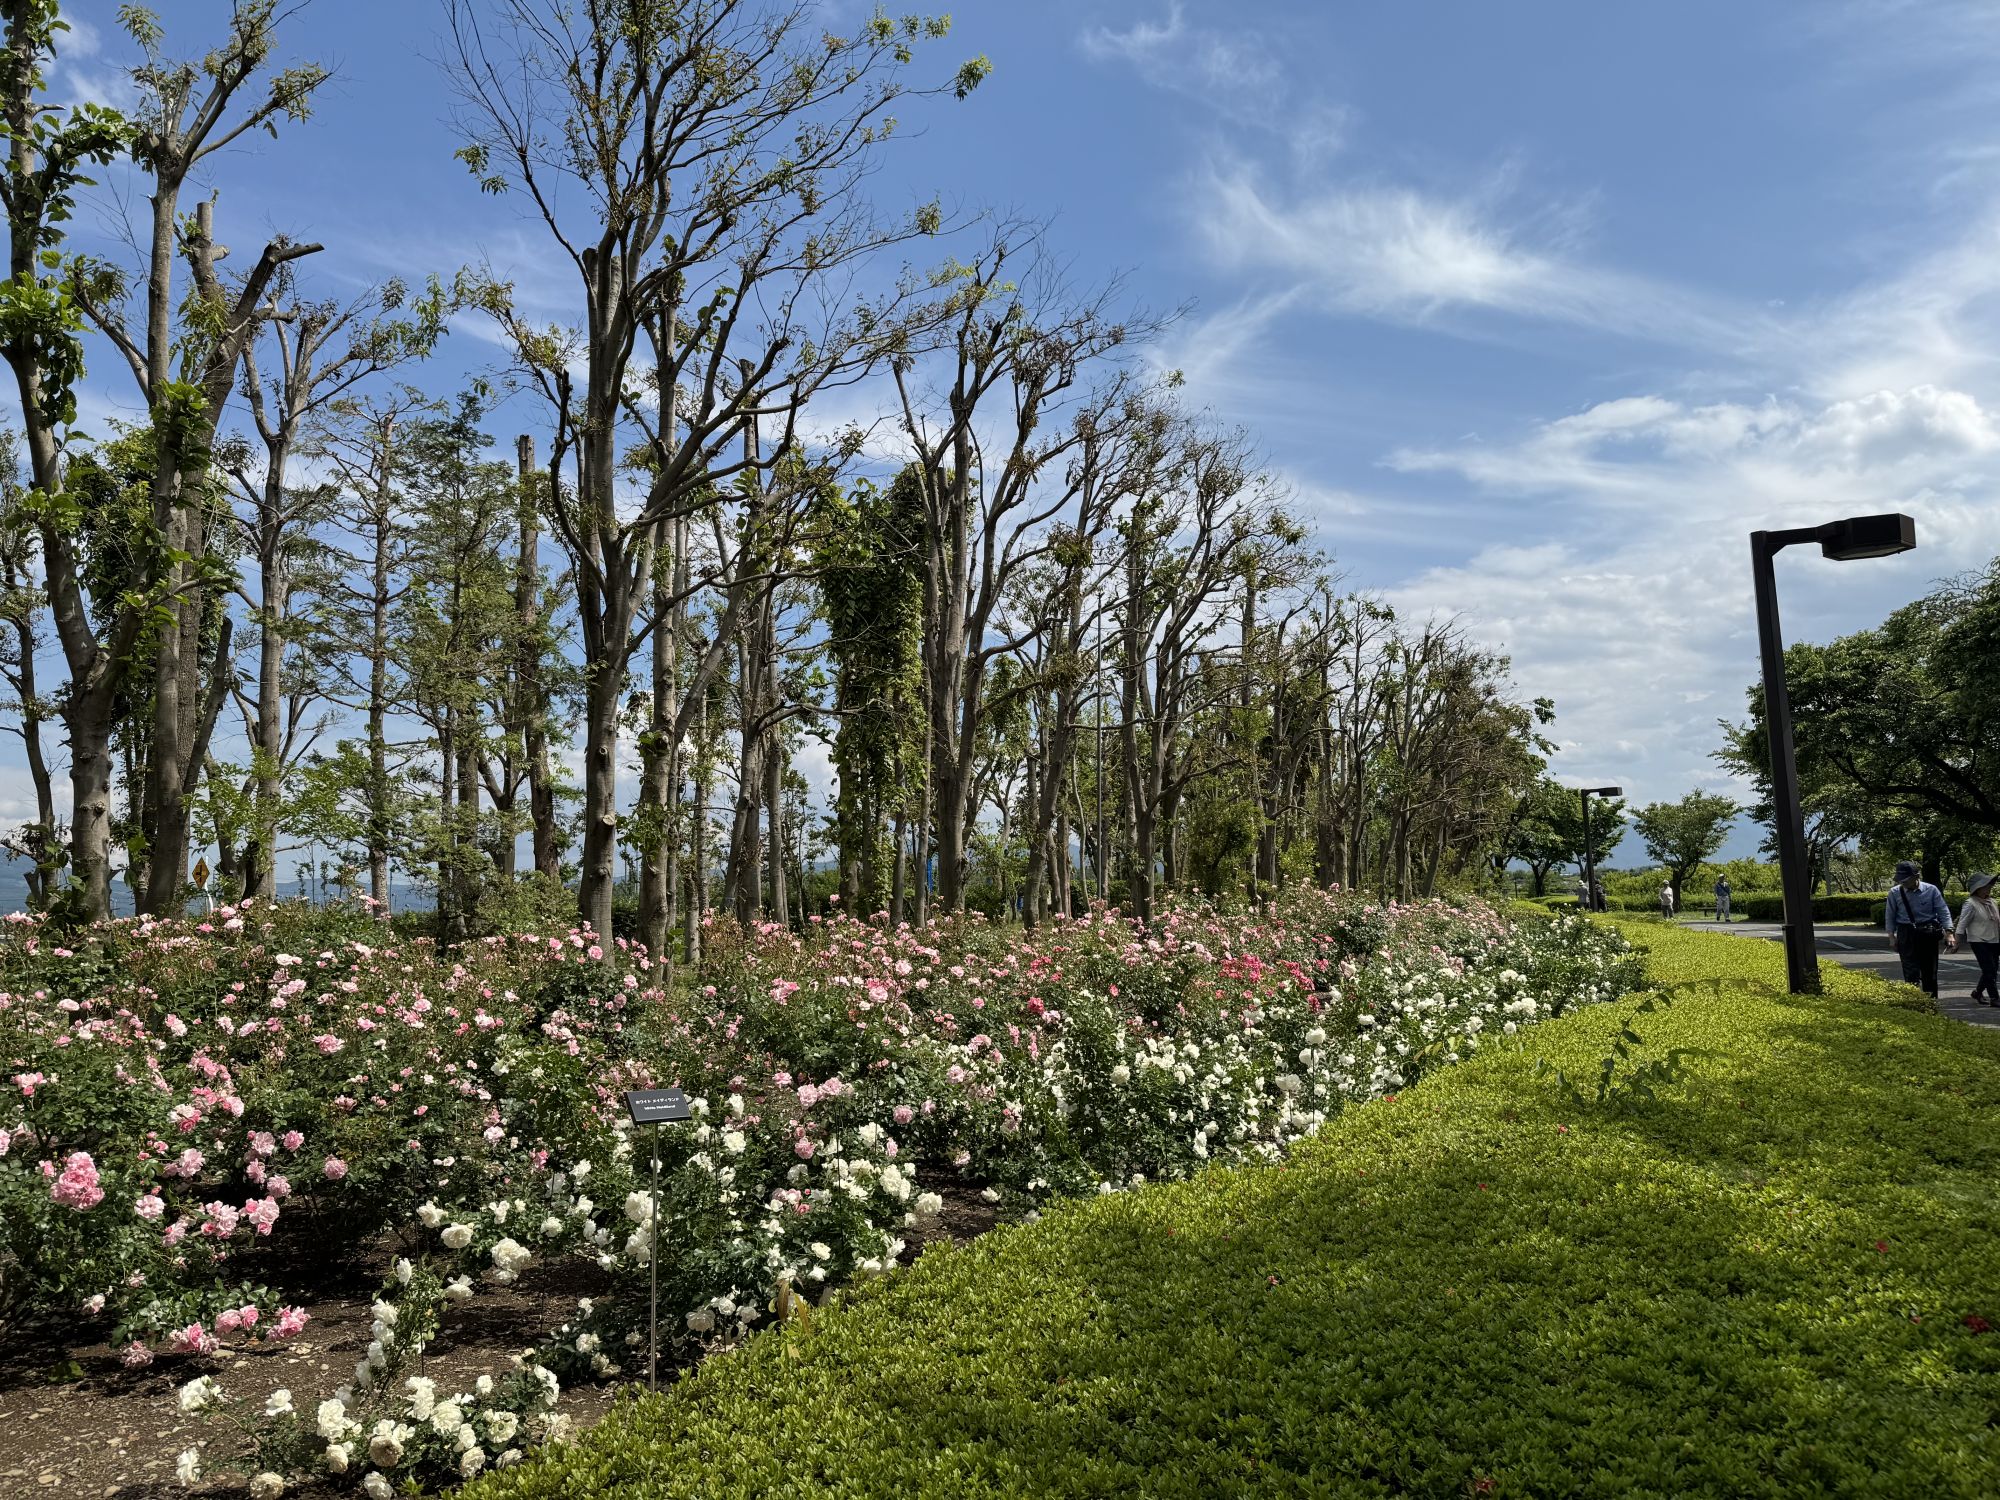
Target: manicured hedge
[1773,1279]
[1611,903]
[1845,907]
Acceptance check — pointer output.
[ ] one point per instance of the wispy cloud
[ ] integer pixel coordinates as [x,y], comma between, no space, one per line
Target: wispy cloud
[1239,74]
[1403,255]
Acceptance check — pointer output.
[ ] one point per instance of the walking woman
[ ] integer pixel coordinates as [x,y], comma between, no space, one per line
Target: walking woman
[1979,925]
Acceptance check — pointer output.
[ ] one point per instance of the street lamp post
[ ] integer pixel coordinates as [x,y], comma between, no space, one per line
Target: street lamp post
[1589,851]
[1855,537]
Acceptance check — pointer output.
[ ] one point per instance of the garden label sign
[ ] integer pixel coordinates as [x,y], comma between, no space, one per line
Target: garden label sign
[656,1107]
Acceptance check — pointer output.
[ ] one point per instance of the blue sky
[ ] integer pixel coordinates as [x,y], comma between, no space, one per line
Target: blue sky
[1539,310]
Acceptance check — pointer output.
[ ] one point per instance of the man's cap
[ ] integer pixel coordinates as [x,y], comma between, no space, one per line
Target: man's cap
[1904,870]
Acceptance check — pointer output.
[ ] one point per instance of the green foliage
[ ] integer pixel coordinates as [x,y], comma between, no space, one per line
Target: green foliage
[1640,1080]
[1680,835]
[1548,830]
[51,150]
[1769,1283]
[867,548]
[1898,744]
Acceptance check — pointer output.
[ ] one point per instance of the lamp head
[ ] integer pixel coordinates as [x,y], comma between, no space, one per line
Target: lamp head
[1604,791]
[1867,536]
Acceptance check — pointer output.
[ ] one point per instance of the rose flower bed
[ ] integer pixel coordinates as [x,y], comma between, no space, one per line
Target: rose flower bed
[179,1096]
[1772,1277]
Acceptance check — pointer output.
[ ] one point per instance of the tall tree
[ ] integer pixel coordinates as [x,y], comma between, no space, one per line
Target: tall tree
[698,164]
[49,151]
[22,605]
[1680,835]
[1017,350]
[186,112]
[320,351]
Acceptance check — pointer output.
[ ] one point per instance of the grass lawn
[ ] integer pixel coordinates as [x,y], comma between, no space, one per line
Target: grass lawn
[1772,1279]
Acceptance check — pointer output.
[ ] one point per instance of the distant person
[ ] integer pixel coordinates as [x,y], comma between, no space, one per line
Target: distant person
[1917,919]
[1597,901]
[1979,925]
[1666,901]
[1722,895]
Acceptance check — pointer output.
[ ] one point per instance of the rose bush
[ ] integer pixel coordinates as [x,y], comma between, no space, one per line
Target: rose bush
[178,1095]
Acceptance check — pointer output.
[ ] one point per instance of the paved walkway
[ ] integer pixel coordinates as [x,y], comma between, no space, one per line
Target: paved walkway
[1866,948]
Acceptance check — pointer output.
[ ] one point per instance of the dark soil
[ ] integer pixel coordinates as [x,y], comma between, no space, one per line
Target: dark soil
[74,1422]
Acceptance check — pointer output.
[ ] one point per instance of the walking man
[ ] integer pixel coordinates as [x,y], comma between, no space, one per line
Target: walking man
[1979,925]
[1917,919]
[1722,895]
[1667,901]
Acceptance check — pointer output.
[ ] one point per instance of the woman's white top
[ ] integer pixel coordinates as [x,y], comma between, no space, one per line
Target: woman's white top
[1979,921]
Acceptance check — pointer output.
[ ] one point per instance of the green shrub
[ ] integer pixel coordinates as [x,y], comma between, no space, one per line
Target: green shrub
[1773,1278]
[1847,906]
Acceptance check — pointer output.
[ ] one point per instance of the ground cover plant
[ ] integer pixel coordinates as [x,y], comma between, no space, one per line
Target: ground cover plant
[1772,1277]
[183,1096]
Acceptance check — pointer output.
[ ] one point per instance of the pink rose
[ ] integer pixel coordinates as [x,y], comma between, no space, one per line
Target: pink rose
[193,1339]
[77,1187]
[335,1169]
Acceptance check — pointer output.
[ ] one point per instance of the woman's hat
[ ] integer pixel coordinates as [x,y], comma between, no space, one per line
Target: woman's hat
[1979,882]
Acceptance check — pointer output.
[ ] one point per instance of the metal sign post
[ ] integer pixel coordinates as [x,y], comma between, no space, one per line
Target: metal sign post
[655,1107]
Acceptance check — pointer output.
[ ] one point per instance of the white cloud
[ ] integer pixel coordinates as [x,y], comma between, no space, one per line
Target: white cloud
[1631,604]
[1402,255]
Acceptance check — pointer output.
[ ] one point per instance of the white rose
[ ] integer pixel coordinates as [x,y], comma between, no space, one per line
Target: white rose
[338,1456]
[820,1250]
[385,1450]
[471,1461]
[458,1289]
[701,1320]
[332,1421]
[187,1468]
[429,1215]
[375,1487]
[638,1207]
[267,1486]
[501,1425]
[446,1419]
[1121,1075]
[278,1403]
[734,1142]
[457,1236]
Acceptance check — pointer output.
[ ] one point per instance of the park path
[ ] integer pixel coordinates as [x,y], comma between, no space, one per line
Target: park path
[1866,948]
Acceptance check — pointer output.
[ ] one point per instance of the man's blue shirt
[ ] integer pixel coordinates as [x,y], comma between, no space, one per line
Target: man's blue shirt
[1905,910]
